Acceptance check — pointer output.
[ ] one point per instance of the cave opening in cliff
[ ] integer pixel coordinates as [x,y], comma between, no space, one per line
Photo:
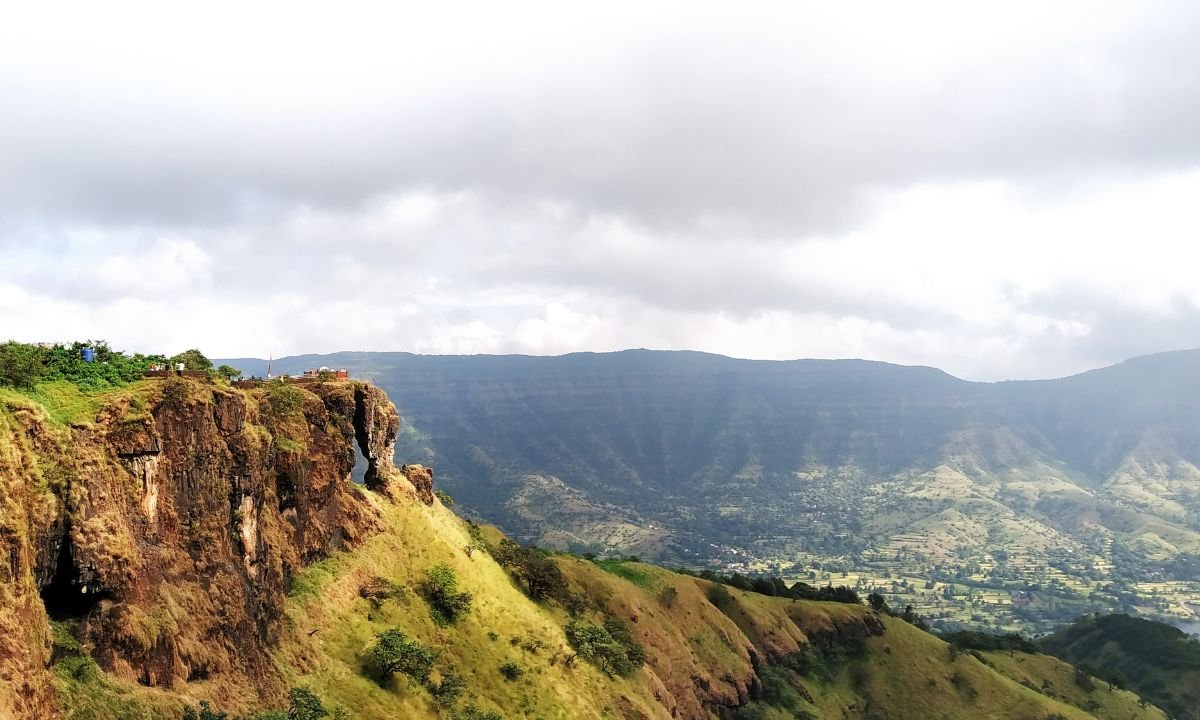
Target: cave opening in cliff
[285,491]
[67,596]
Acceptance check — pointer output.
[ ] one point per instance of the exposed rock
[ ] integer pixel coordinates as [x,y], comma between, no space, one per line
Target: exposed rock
[421,479]
[187,522]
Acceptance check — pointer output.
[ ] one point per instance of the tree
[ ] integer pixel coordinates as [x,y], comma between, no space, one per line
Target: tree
[542,576]
[305,705]
[394,653]
[440,589]
[192,360]
[878,603]
[612,647]
[229,373]
[21,365]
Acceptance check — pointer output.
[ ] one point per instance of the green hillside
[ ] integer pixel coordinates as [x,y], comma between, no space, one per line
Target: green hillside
[1157,661]
[1017,505]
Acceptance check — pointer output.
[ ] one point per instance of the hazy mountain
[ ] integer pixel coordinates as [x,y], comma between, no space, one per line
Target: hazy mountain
[1078,482]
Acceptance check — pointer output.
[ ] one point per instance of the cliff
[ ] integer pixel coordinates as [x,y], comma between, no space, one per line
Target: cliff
[166,528]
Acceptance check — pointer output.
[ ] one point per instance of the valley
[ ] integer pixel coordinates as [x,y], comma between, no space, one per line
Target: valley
[1015,506]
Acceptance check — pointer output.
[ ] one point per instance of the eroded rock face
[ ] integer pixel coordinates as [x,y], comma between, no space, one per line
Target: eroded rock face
[172,536]
[376,425]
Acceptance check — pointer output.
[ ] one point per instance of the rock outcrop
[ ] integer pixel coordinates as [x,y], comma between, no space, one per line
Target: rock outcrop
[167,530]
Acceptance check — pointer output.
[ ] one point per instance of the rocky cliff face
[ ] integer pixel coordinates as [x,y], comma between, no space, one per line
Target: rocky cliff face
[168,529]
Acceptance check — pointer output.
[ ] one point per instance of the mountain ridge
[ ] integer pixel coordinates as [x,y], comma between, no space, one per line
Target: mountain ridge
[802,465]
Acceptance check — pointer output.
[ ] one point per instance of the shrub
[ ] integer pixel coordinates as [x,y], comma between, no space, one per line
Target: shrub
[718,595]
[511,671]
[394,653]
[449,688]
[305,705]
[667,596]
[440,588]
[284,399]
[379,590]
[206,713]
[470,712]
[444,497]
[79,668]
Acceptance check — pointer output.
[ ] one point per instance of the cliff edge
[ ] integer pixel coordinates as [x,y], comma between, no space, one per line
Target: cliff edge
[163,530]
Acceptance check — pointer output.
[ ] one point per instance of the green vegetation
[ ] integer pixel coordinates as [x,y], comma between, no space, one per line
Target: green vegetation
[511,671]
[542,576]
[470,712]
[24,366]
[1157,661]
[303,704]
[447,691]
[610,647]
[394,652]
[192,360]
[627,570]
[283,399]
[971,640]
[440,588]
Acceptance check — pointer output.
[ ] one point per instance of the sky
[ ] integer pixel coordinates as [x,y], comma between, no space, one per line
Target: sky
[1002,190]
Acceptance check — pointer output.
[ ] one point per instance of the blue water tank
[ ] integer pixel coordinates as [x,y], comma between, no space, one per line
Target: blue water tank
[89,355]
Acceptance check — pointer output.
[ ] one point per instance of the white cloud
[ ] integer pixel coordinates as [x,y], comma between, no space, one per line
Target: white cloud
[1002,192]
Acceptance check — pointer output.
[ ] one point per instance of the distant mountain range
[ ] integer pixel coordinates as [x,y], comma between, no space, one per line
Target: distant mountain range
[1077,489]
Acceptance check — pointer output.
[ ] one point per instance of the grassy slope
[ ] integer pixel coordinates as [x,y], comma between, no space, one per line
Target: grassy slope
[1155,660]
[904,673]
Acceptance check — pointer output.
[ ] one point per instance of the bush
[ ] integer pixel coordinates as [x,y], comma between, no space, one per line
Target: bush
[379,590]
[394,653]
[440,589]
[284,399]
[718,595]
[470,712]
[206,713]
[612,647]
[305,705]
[511,671]
[444,497]
[449,689]
[667,596]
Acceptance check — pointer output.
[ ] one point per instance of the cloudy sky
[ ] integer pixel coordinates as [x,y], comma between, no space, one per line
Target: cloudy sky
[1003,192]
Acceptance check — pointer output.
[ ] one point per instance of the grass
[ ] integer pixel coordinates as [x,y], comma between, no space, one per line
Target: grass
[326,598]
[634,572]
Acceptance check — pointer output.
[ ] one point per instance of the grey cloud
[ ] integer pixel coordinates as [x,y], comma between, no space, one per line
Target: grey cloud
[685,126]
